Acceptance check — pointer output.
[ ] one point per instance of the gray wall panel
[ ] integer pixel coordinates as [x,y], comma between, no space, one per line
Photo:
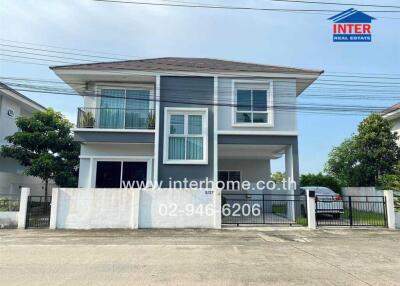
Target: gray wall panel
[114,137]
[172,91]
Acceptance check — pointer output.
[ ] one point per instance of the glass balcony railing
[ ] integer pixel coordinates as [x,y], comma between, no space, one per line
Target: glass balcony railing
[116,118]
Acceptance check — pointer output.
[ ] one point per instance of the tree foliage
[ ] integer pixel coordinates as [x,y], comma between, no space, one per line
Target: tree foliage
[367,156]
[44,145]
[321,181]
[278,177]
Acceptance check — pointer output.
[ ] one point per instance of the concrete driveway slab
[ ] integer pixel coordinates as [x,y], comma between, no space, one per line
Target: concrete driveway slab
[234,256]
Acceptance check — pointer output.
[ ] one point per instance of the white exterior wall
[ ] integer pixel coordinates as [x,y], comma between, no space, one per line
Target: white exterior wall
[7,123]
[95,208]
[91,153]
[175,201]
[10,184]
[284,93]
[86,208]
[8,219]
[396,128]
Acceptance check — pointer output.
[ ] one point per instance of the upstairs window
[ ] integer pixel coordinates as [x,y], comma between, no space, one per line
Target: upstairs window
[186,136]
[122,108]
[252,104]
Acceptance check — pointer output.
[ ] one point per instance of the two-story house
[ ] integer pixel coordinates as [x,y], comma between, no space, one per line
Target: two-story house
[171,119]
[12,105]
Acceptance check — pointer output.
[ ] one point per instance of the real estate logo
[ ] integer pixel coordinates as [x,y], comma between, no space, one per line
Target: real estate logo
[352,26]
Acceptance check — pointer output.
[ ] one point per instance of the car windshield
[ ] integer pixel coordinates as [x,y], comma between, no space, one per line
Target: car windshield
[319,191]
[322,191]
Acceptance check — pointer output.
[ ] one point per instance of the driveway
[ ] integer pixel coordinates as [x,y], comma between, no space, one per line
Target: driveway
[237,256]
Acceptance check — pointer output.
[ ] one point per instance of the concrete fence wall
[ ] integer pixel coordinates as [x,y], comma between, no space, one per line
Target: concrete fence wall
[8,219]
[84,208]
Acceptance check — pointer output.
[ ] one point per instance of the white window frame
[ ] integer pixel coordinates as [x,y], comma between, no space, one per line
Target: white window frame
[168,111]
[258,85]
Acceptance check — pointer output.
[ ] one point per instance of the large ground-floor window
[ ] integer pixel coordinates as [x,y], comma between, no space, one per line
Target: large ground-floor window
[111,174]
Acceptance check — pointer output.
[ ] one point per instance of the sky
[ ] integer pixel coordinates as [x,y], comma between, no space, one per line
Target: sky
[276,38]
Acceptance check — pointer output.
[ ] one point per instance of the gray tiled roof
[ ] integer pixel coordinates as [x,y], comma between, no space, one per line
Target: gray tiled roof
[188,65]
[6,87]
[391,109]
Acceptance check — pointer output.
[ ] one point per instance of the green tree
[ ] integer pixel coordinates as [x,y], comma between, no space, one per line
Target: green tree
[368,155]
[320,180]
[45,147]
[278,177]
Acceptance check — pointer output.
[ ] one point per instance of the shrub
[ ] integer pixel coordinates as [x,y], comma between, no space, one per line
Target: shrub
[389,182]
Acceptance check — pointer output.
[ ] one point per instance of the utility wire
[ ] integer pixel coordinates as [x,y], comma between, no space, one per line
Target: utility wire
[213,6]
[338,3]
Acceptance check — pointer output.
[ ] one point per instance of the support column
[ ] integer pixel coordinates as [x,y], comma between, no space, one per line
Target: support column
[54,208]
[391,216]
[23,206]
[289,177]
[157,131]
[312,223]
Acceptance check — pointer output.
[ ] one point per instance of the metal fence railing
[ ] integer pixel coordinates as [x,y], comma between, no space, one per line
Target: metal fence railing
[38,212]
[263,209]
[9,203]
[397,203]
[116,118]
[351,211]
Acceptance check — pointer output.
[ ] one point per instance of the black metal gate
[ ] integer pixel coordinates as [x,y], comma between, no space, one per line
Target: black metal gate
[351,211]
[38,212]
[263,209]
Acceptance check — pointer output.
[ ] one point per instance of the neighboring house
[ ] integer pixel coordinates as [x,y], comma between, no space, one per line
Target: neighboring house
[166,119]
[12,105]
[393,115]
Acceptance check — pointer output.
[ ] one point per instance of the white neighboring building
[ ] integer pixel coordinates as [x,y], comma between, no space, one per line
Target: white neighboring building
[393,115]
[12,105]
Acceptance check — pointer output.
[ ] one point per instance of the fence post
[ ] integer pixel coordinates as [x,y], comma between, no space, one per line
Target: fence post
[23,206]
[391,216]
[54,207]
[312,222]
[350,211]
[217,208]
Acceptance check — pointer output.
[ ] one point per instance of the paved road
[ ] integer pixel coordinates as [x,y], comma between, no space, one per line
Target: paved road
[267,256]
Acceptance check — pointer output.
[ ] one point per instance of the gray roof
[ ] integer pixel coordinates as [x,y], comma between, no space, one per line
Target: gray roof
[189,65]
[6,87]
[391,109]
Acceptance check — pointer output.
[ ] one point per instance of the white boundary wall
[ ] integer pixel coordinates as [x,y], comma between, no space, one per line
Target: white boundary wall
[8,219]
[89,208]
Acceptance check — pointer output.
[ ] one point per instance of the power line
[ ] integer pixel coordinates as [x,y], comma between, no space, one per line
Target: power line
[65,48]
[321,109]
[61,52]
[213,6]
[178,99]
[337,3]
[326,74]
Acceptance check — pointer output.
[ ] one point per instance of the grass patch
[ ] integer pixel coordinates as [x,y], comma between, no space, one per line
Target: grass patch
[302,221]
[279,209]
[365,217]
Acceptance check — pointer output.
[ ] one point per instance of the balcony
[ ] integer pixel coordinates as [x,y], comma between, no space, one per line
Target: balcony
[115,118]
